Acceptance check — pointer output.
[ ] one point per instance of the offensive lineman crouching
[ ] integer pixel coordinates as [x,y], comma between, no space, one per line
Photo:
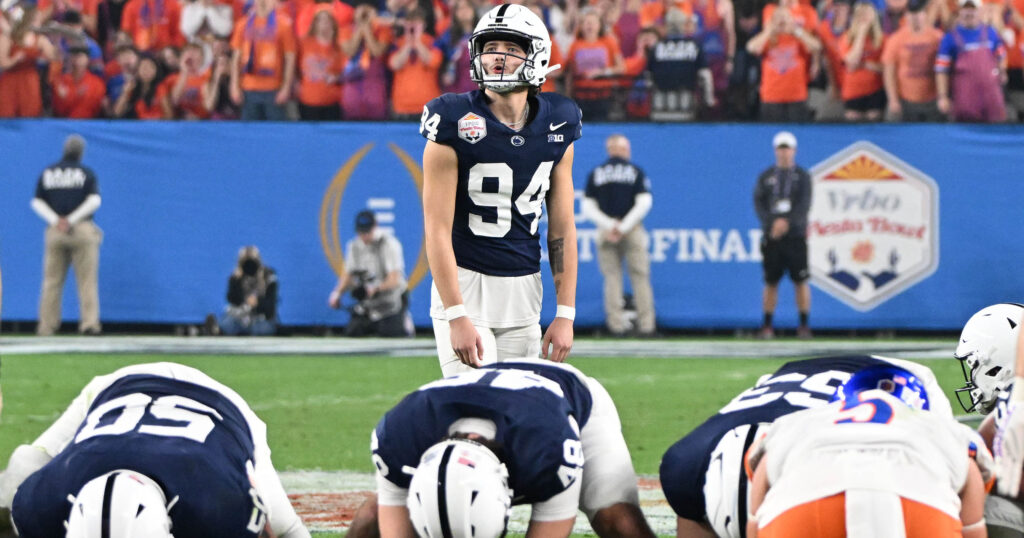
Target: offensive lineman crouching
[458,453]
[147,451]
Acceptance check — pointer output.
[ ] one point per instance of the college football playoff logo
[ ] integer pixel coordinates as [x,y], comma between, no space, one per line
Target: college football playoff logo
[873,226]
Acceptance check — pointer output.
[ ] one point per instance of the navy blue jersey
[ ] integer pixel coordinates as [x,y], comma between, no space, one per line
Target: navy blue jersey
[504,176]
[189,439]
[614,186]
[531,406]
[796,385]
[65,185]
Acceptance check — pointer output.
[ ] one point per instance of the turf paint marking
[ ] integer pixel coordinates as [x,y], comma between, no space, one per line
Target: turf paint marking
[327,501]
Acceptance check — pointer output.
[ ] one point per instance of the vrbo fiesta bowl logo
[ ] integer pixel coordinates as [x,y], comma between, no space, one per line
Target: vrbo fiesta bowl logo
[873,227]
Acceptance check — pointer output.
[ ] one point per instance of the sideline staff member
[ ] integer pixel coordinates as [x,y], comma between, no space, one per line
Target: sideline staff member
[66,198]
[617,198]
[782,199]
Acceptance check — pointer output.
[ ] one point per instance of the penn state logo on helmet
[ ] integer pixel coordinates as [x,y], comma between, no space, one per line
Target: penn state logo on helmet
[515,24]
[120,504]
[459,490]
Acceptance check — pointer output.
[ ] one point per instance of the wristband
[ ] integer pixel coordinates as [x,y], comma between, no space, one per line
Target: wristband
[1017,393]
[455,312]
[567,312]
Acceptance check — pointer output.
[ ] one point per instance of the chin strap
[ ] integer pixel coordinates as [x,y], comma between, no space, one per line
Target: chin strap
[551,69]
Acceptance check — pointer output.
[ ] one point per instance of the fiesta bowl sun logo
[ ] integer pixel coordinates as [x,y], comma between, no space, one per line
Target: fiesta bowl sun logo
[330,207]
[873,226]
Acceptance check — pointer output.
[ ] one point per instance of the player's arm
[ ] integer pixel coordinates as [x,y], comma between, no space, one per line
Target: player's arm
[395,522]
[440,180]
[550,529]
[562,256]
[758,490]
[687,528]
[27,459]
[1018,375]
[392,515]
[1008,444]
[282,520]
[555,517]
[972,504]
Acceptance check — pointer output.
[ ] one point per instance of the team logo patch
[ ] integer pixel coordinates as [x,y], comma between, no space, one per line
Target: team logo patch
[556,138]
[472,128]
[872,231]
[518,141]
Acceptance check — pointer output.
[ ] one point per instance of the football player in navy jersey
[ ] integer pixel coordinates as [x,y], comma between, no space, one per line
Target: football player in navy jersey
[150,450]
[702,474]
[456,455]
[989,352]
[493,158]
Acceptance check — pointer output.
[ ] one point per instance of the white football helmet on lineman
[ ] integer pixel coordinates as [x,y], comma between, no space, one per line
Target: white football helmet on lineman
[459,490]
[987,352]
[119,504]
[515,23]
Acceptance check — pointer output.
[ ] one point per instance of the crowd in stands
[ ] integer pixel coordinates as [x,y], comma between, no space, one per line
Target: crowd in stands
[665,60]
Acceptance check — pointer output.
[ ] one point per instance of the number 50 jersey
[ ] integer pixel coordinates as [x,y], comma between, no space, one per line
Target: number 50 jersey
[702,473]
[504,176]
[193,440]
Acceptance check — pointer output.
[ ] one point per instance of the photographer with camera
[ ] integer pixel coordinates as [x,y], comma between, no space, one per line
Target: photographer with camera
[374,275]
[252,297]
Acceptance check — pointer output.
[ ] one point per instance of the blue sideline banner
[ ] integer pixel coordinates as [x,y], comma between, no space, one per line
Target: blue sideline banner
[912,227]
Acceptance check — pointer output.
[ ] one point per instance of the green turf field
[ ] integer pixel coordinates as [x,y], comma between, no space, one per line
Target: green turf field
[320,409]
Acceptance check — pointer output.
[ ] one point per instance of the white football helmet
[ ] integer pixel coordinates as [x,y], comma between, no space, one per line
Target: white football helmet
[459,490]
[515,23]
[119,504]
[987,352]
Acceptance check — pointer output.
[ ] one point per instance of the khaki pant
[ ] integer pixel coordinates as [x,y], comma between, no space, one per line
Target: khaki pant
[79,247]
[633,249]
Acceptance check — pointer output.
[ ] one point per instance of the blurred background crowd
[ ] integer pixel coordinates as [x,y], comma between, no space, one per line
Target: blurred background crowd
[622,60]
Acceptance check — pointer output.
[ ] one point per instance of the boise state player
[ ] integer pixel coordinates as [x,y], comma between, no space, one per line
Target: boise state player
[516,432]
[988,349]
[874,463]
[702,474]
[493,158]
[150,450]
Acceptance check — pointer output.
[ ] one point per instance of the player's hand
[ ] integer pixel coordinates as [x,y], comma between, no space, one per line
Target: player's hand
[334,299]
[466,342]
[558,339]
[1008,449]
[944,105]
[63,225]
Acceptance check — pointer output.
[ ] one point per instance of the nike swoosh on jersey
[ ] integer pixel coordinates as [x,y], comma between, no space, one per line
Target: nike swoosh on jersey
[554,127]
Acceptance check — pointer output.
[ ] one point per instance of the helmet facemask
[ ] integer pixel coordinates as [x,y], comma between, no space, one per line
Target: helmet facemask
[987,353]
[505,81]
[984,381]
[514,24]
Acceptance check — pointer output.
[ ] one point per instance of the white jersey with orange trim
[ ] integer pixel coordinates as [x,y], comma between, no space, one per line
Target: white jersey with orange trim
[876,444]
